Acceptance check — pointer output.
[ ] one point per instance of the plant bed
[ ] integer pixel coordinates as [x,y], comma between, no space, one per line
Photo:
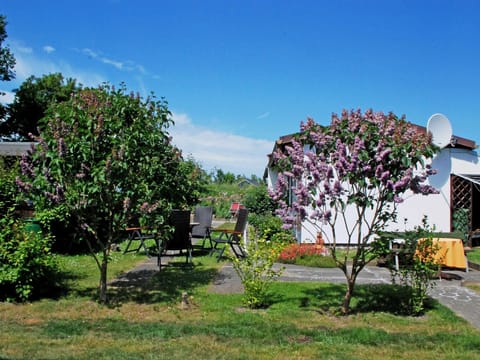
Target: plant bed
[314,255]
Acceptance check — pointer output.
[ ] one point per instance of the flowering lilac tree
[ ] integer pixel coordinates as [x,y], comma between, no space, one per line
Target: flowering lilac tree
[351,174]
[104,157]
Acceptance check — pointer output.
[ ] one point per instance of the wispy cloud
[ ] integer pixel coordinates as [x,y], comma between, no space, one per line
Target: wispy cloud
[211,148]
[215,149]
[48,49]
[103,59]
[18,47]
[28,64]
[264,115]
[124,65]
[89,53]
[114,63]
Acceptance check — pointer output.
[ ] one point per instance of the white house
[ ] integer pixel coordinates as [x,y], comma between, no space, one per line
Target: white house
[457,179]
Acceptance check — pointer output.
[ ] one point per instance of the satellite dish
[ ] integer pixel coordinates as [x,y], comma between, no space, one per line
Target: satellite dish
[441,129]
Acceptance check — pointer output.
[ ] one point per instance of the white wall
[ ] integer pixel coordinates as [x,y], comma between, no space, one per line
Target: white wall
[437,207]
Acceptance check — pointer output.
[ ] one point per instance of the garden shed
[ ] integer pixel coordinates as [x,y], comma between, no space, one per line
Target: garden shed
[455,208]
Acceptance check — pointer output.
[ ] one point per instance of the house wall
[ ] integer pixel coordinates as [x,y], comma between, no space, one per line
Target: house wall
[437,207]
[415,206]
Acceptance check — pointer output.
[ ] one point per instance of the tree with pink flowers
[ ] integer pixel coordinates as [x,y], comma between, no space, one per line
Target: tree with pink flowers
[351,174]
[103,159]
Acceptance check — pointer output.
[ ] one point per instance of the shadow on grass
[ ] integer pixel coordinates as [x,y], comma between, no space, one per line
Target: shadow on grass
[66,286]
[166,285]
[393,299]
[326,298]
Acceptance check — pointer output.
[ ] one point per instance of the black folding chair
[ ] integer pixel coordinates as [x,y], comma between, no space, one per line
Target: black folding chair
[179,240]
[141,235]
[231,238]
[203,217]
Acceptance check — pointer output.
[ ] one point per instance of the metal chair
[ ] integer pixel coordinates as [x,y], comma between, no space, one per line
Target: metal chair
[179,240]
[141,235]
[203,216]
[231,238]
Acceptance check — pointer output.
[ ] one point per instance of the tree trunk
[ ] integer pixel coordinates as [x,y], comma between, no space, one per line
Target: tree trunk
[103,280]
[348,296]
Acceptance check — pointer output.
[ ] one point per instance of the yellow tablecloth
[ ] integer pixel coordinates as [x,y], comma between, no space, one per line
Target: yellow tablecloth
[452,252]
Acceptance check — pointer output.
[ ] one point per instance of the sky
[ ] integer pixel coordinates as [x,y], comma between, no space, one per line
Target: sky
[238,74]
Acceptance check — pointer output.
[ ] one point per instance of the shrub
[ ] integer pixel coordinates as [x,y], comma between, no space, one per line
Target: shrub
[26,263]
[258,201]
[256,271]
[421,266]
[8,189]
[269,227]
[27,267]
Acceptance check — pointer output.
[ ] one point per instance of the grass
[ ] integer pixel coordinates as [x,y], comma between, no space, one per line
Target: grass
[81,275]
[474,255]
[147,322]
[315,261]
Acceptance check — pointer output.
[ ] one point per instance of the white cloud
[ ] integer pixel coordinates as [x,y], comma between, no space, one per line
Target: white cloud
[264,115]
[89,53]
[29,64]
[48,49]
[18,47]
[215,149]
[141,69]
[127,65]
[117,64]
[7,97]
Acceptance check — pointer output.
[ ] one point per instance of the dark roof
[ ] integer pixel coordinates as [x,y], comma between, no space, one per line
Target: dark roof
[475,178]
[457,142]
[14,148]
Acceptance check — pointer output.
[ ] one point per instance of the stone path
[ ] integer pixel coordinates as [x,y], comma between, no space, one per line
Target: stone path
[451,293]
[461,300]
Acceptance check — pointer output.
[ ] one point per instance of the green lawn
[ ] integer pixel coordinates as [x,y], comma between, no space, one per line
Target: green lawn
[148,321]
[474,255]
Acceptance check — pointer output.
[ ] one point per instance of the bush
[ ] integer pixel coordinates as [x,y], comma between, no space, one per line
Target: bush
[257,201]
[269,227]
[256,272]
[27,266]
[8,189]
[421,266]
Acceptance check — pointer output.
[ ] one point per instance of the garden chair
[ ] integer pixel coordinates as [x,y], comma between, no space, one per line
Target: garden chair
[234,207]
[203,216]
[179,240]
[141,235]
[231,238]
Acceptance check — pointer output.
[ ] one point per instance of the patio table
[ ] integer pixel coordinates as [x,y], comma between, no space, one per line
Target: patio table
[451,252]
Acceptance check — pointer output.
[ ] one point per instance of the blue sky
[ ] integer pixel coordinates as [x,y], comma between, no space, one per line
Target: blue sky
[239,73]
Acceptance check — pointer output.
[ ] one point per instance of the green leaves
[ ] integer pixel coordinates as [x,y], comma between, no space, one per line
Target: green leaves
[256,271]
[351,177]
[26,263]
[108,160]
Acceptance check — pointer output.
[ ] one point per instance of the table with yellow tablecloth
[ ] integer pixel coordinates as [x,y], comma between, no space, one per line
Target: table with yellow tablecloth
[451,252]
